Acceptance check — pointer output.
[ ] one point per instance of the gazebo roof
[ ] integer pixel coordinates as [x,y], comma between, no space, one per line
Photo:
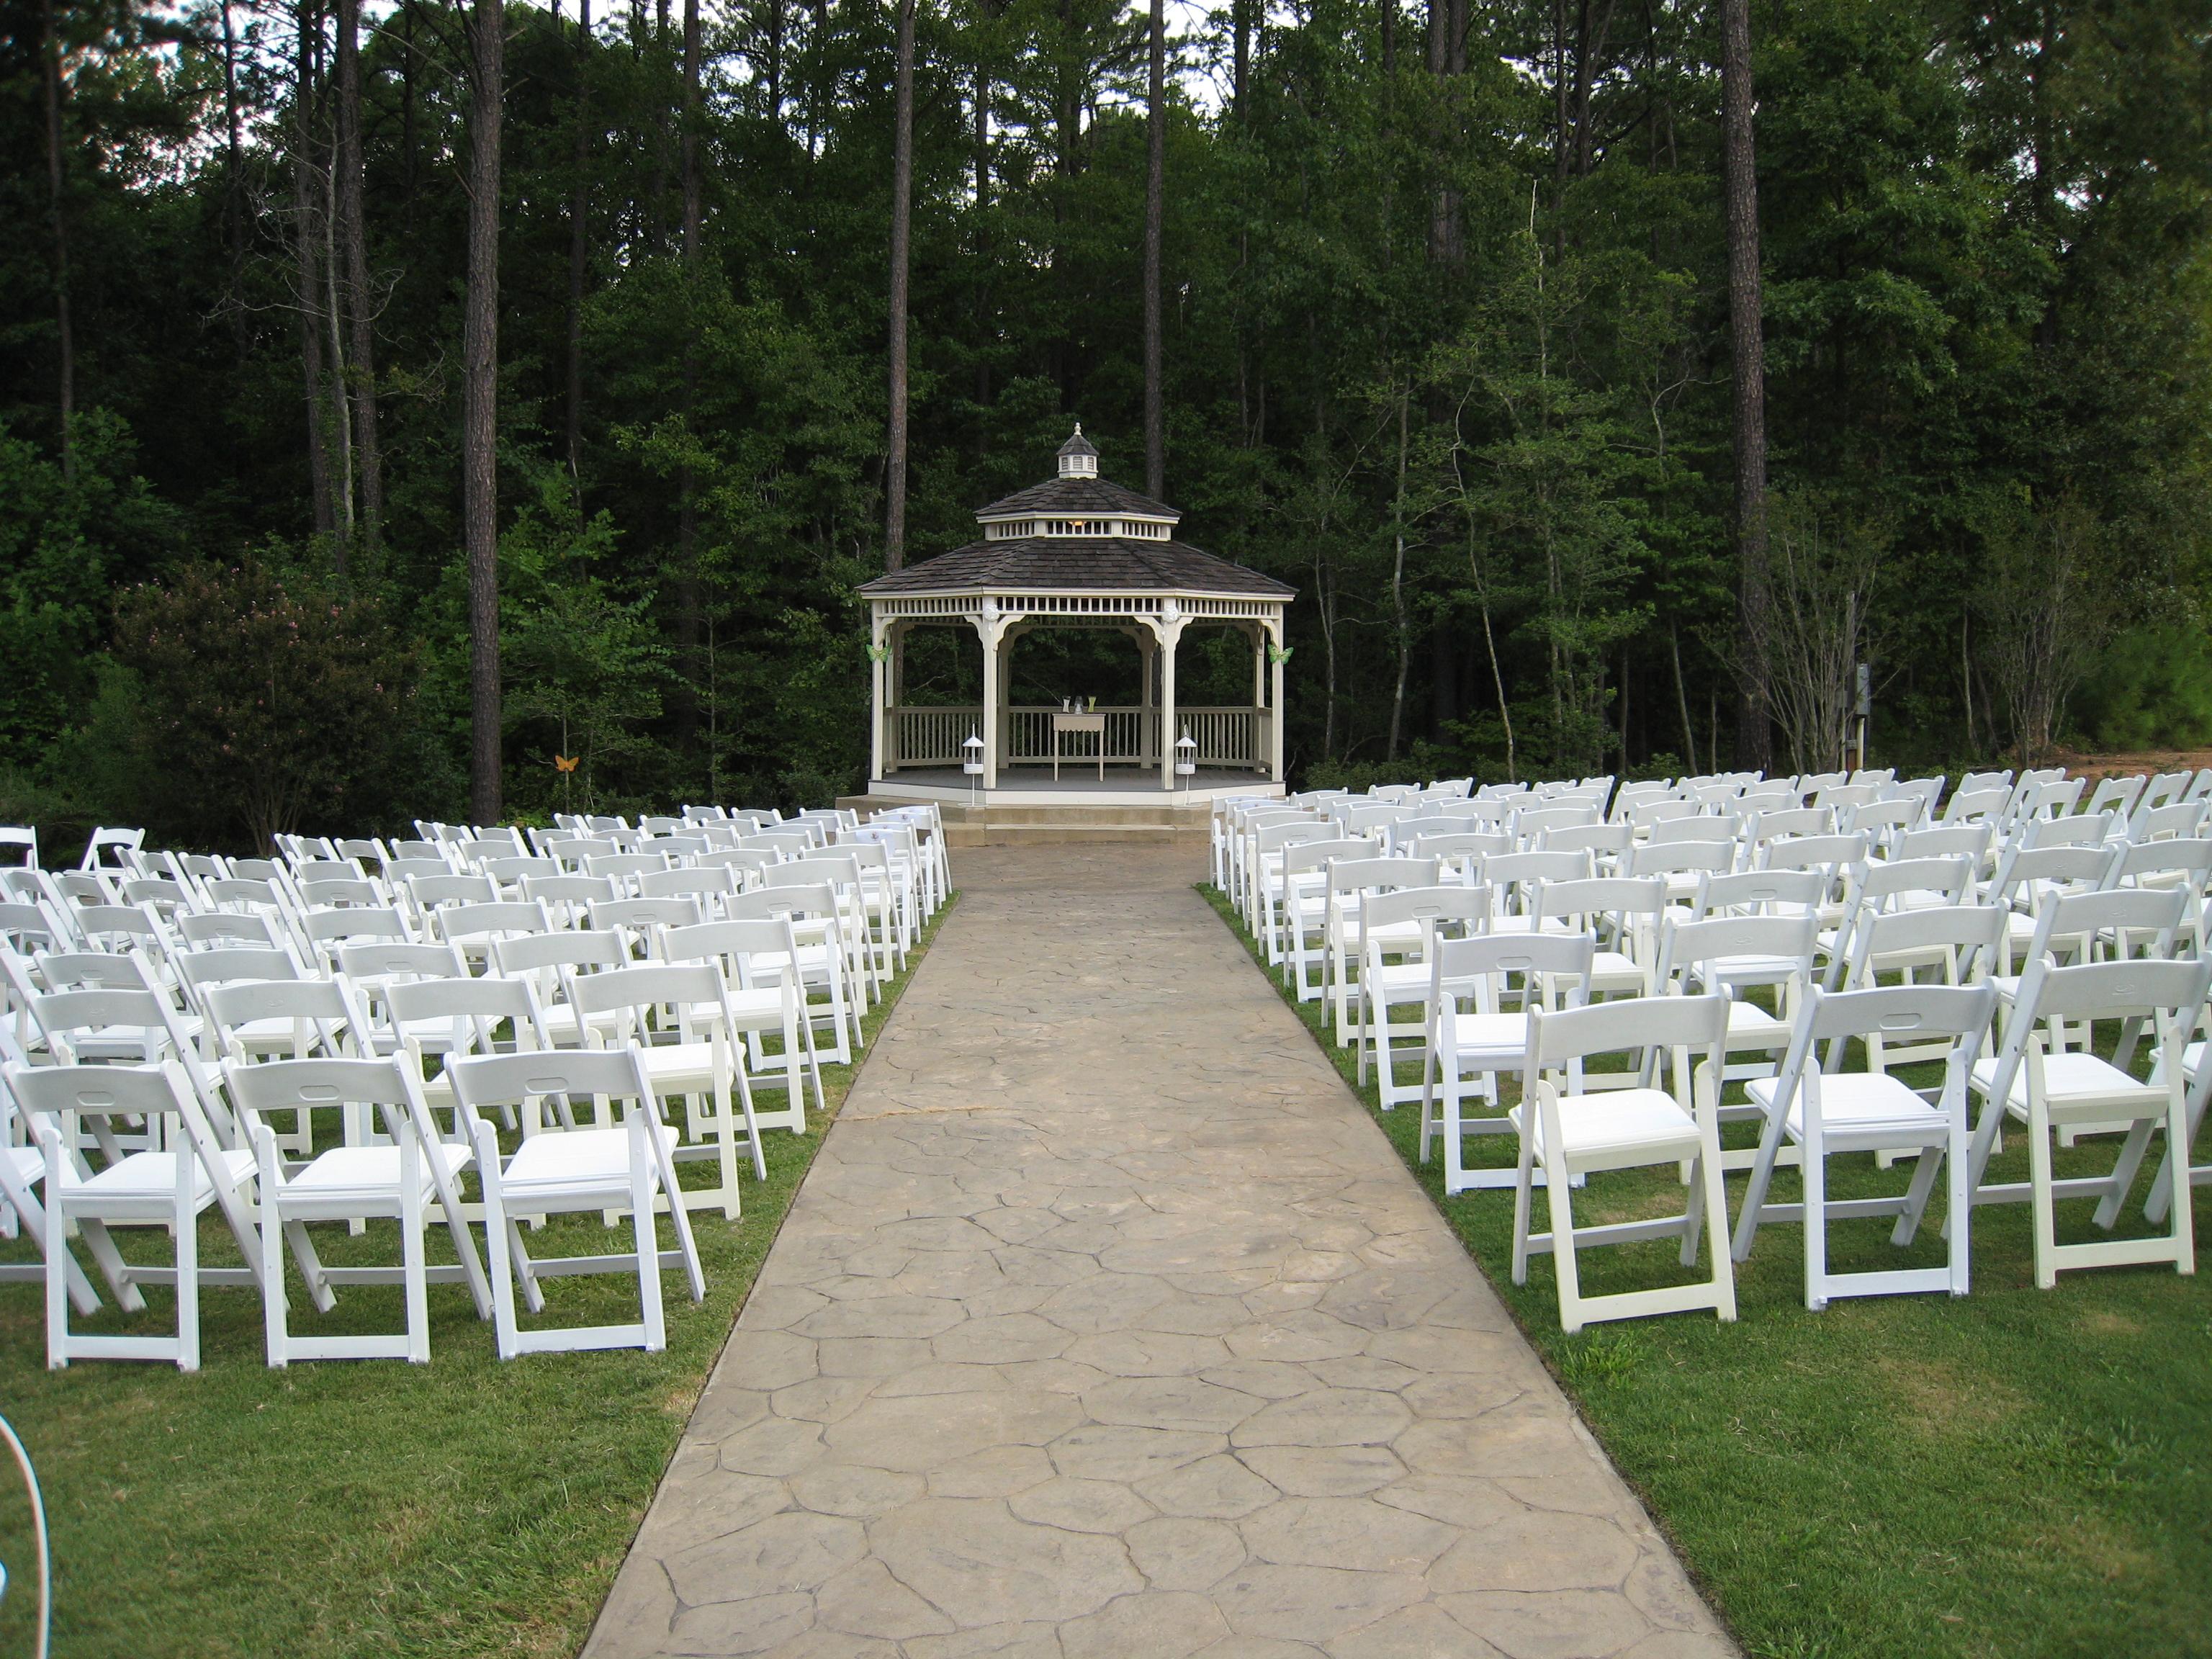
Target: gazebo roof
[1055,564]
[1078,496]
[1080,562]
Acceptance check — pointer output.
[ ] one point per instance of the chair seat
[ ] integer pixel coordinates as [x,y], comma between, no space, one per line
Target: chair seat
[1853,1101]
[28,1162]
[370,1172]
[2074,1085]
[154,1174]
[1749,1026]
[682,1068]
[1609,1128]
[1392,981]
[574,1161]
[1483,1041]
[1614,970]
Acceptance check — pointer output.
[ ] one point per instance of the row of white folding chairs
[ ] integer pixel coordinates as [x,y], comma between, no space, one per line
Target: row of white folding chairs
[593,1140]
[2043,1074]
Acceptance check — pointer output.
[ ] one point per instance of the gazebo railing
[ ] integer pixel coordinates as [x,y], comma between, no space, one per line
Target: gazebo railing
[1225,736]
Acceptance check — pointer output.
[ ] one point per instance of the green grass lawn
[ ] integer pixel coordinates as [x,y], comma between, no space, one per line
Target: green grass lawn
[2019,1472]
[465,1507]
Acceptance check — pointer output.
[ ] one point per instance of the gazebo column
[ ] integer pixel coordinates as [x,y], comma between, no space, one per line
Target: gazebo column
[880,693]
[1169,629]
[1260,744]
[991,627]
[1275,726]
[1148,652]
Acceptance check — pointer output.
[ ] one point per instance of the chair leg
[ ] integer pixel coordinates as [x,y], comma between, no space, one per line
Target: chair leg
[2184,1225]
[2043,1201]
[1557,1198]
[58,1301]
[2123,1172]
[276,1329]
[642,1184]
[1961,1204]
[1522,1183]
[1924,1171]
[1813,1166]
[1716,1238]
[188,1283]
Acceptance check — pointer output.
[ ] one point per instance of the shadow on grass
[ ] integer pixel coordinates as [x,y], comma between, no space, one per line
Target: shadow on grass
[372,1507]
[2019,1472]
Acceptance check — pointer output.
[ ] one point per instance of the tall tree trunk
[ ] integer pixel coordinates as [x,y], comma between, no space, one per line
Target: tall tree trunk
[309,287]
[480,404]
[686,699]
[1754,746]
[233,185]
[341,427]
[775,65]
[901,227]
[407,139]
[1240,24]
[580,203]
[1401,616]
[982,245]
[360,301]
[66,333]
[1156,128]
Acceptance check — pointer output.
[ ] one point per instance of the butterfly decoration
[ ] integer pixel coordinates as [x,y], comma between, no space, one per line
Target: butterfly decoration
[566,762]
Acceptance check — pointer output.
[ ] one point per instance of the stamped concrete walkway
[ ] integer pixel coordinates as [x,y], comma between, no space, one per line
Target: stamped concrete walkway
[1108,1327]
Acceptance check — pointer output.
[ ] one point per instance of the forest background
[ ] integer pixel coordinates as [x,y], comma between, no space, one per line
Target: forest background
[1445,345]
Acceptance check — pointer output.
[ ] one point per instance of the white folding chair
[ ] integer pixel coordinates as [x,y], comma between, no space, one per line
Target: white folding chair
[758,958]
[1398,932]
[561,1170]
[2048,1090]
[167,1186]
[1474,1037]
[1827,1111]
[400,1176]
[1568,1132]
[679,1017]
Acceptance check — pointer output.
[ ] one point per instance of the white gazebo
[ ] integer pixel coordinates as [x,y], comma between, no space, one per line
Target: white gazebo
[1077,551]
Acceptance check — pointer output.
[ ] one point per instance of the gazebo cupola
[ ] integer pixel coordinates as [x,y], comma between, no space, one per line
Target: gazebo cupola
[1077,551]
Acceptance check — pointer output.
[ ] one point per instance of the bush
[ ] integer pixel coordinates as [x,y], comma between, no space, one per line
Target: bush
[2151,689]
[259,703]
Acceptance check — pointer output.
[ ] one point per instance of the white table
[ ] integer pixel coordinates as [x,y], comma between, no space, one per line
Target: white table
[1095,724]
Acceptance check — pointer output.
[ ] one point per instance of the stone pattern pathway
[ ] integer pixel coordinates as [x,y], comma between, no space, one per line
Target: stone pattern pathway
[1108,1327]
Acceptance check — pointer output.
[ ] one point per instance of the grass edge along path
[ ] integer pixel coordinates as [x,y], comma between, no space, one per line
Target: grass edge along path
[2019,1473]
[466,1507]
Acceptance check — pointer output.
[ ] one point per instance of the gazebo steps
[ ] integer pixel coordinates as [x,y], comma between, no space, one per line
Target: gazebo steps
[998,824]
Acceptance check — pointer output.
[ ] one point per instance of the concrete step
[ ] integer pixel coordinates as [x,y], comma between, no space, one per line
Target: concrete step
[1072,832]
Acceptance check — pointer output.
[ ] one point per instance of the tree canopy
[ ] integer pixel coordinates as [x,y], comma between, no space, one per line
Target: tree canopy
[1444,341]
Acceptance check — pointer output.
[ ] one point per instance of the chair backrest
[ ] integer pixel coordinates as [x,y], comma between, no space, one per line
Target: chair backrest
[1910,1015]
[1971,805]
[106,839]
[69,970]
[1665,809]
[335,891]
[1432,907]
[327,1005]
[1678,831]
[1686,946]
[2176,819]
[2190,858]
[500,920]
[1531,869]
[1359,875]
[215,927]
[682,884]
[1945,841]
[1826,853]
[2114,990]
[1791,820]
[463,1013]
[683,987]
[1460,845]
[1682,858]
[25,926]
[1968,935]
[202,970]
[641,915]
[435,891]
[333,927]
[486,1083]
[159,1091]
[2136,918]
[1767,891]
[68,1019]
[733,944]
[22,838]
[394,960]
[1559,1038]
[1607,898]
[1319,854]
[1609,838]
[330,1084]
[2076,868]
[2079,829]
[1875,884]
[812,899]
[532,953]
[1478,965]
[1537,821]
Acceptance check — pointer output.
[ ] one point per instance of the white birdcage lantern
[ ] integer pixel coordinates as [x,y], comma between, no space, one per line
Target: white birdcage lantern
[1186,755]
[973,751]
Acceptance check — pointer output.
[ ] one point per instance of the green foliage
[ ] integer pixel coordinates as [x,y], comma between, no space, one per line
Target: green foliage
[1988,265]
[259,703]
[2153,691]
